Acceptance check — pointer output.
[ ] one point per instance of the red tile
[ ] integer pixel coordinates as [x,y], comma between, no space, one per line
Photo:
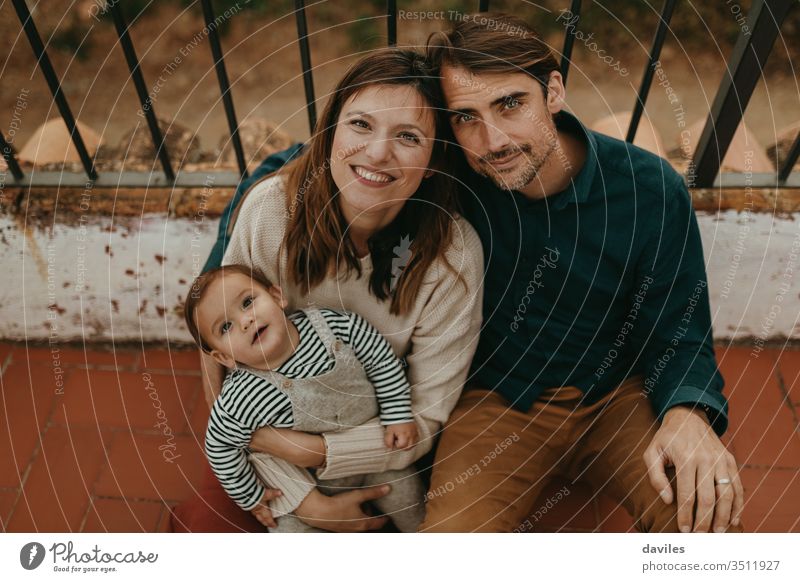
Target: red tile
[70,356]
[790,369]
[130,400]
[123,516]
[772,500]
[188,360]
[57,492]
[762,426]
[199,418]
[140,469]
[28,396]
[7,499]
[564,506]
[613,517]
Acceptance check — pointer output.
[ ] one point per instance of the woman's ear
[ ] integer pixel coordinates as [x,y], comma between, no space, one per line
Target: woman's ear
[277,295]
[223,359]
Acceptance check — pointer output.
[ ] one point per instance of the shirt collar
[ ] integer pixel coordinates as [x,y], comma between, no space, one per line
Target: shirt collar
[581,184]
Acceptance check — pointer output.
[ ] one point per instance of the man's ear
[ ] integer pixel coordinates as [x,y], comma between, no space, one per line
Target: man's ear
[277,295]
[223,359]
[556,93]
[428,173]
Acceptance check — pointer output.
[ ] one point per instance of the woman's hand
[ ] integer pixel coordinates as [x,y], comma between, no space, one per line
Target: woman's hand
[342,512]
[296,447]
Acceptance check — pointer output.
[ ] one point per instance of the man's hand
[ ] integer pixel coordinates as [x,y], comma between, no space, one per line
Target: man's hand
[262,511]
[401,436]
[296,447]
[342,512]
[706,472]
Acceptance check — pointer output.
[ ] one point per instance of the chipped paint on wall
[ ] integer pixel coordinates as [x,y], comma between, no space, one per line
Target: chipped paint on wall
[99,281]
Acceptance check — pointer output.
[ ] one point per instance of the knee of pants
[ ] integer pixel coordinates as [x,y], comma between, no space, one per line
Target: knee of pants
[657,517]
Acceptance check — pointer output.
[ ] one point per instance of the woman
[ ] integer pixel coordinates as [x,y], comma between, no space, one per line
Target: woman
[365,221]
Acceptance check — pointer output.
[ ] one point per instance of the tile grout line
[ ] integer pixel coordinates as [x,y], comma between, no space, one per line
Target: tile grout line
[785,393]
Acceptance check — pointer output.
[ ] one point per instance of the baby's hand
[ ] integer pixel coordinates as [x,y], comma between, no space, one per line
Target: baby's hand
[262,512]
[401,436]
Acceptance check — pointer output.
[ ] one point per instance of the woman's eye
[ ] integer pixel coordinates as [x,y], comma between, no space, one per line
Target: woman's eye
[248,301]
[409,137]
[225,327]
[360,123]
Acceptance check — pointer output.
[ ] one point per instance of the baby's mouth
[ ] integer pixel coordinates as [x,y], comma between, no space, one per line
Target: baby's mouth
[258,333]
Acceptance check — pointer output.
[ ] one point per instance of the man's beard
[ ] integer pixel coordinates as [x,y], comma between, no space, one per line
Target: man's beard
[532,163]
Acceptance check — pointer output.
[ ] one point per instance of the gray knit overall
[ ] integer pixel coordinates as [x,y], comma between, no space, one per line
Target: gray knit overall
[339,399]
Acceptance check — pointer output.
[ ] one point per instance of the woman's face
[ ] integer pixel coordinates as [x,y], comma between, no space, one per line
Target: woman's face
[381,150]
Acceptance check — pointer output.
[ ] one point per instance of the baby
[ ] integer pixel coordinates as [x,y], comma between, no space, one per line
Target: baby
[313,371]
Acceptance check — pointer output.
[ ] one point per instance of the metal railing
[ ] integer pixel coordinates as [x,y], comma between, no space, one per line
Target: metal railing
[744,69]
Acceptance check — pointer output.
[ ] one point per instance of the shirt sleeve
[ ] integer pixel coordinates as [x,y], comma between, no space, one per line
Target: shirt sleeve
[383,368]
[678,353]
[226,443]
[442,346]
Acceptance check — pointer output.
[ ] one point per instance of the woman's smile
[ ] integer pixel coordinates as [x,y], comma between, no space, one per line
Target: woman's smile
[372,178]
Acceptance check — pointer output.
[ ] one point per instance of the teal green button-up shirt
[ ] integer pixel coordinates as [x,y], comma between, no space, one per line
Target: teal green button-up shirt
[597,283]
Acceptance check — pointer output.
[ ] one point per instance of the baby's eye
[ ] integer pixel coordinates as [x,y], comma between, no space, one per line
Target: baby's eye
[225,327]
[248,301]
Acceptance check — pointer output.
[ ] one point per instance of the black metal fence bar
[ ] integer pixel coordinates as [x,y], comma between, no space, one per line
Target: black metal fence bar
[391,22]
[791,160]
[305,60]
[55,86]
[647,78]
[10,158]
[224,85]
[569,39]
[744,71]
[483,6]
[159,146]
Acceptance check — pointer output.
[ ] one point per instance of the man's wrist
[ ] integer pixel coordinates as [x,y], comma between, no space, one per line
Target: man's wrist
[702,411]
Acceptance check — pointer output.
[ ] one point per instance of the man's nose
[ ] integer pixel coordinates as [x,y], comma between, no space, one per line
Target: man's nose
[494,137]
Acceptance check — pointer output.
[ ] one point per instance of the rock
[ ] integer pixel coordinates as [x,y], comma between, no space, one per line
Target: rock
[51,144]
[647,136]
[778,151]
[136,150]
[745,154]
[260,138]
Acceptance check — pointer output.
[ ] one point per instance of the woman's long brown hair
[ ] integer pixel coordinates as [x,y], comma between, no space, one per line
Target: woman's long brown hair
[316,238]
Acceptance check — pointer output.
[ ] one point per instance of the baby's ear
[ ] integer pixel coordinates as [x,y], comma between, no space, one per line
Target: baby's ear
[223,359]
[277,295]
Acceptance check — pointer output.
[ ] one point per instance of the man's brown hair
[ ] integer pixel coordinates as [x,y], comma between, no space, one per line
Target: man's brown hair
[492,42]
[198,290]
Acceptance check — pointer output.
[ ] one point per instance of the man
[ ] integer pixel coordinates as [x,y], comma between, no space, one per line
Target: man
[596,359]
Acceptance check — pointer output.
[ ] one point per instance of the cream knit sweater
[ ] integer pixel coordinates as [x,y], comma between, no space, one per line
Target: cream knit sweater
[436,338]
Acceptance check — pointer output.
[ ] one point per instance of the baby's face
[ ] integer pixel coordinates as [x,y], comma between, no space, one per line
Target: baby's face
[243,322]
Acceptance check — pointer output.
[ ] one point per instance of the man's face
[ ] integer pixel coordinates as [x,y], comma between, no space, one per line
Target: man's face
[503,124]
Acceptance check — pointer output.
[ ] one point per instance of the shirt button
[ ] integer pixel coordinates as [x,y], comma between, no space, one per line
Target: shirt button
[287,383]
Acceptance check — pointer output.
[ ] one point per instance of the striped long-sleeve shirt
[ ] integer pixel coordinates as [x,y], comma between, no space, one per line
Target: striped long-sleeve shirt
[248,402]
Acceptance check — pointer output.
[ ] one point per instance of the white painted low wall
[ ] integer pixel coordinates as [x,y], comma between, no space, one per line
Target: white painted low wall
[128,282]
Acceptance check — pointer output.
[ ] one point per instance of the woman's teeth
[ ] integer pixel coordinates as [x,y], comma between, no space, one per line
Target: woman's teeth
[372,176]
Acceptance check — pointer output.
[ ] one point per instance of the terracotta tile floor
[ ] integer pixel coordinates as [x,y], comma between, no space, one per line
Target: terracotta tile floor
[80,449]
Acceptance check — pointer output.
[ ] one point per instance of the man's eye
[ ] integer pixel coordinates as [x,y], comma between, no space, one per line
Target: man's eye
[464,118]
[248,301]
[511,103]
[225,327]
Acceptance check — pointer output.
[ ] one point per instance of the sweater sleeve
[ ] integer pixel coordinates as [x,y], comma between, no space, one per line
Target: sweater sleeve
[442,346]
